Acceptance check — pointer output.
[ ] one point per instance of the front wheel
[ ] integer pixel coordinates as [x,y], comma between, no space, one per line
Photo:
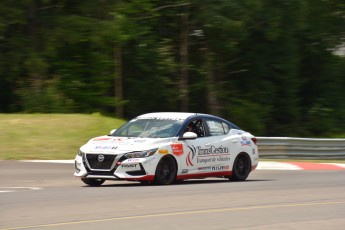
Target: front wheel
[165,171]
[92,182]
[241,168]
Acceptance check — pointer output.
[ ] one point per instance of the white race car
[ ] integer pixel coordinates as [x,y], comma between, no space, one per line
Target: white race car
[162,148]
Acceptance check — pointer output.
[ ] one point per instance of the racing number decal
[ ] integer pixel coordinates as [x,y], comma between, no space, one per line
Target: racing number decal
[177,149]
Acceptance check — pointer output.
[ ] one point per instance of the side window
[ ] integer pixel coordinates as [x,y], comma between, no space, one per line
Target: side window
[200,127]
[197,127]
[217,128]
[226,128]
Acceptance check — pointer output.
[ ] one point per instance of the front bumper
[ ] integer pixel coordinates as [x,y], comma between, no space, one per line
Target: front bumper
[114,167]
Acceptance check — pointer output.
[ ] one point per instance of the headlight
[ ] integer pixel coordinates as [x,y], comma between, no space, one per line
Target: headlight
[141,154]
[80,153]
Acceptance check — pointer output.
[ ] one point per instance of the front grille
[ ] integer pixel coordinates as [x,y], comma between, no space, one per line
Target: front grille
[93,160]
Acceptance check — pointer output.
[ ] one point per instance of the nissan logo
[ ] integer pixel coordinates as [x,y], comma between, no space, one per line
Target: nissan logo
[100,158]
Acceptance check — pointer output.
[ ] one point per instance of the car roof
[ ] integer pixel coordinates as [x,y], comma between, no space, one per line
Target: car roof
[182,116]
[176,116]
[166,115]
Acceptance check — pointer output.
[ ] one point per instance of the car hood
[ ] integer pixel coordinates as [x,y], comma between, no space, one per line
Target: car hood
[118,145]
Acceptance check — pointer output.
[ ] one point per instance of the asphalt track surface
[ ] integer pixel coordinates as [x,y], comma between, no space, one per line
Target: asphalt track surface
[47,196]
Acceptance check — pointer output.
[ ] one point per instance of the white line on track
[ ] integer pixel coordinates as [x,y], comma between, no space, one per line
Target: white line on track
[50,161]
[16,189]
[5,191]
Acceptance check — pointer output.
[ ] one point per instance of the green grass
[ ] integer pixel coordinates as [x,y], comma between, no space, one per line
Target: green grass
[49,136]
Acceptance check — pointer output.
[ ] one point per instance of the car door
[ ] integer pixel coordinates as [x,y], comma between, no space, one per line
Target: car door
[210,153]
[192,162]
[218,145]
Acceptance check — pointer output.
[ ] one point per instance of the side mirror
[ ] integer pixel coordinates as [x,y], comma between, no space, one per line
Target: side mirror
[112,131]
[188,136]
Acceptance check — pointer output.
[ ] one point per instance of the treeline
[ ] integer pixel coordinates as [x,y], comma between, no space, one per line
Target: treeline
[269,66]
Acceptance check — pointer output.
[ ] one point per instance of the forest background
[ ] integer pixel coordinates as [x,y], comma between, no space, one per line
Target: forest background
[275,68]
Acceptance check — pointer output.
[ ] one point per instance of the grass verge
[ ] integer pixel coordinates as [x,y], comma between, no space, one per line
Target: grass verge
[49,136]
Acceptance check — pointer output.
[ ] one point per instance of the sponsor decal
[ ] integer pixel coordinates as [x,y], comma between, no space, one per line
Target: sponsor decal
[163,151]
[177,149]
[189,160]
[220,168]
[206,160]
[214,168]
[108,138]
[129,165]
[204,168]
[118,139]
[212,151]
[139,141]
[245,141]
[102,139]
[223,158]
[190,156]
[133,160]
[184,170]
[253,151]
[207,155]
[104,147]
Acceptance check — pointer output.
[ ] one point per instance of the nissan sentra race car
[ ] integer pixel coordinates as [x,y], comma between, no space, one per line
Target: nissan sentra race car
[162,148]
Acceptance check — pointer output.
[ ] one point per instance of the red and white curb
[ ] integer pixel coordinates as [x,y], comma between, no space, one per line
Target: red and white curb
[263,165]
[266,165]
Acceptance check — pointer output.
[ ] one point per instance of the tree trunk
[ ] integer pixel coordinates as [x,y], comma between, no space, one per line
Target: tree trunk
[184,75]
[212,98]
[118,81]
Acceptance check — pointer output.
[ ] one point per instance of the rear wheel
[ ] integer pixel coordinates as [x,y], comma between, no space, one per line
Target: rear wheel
[241,168]
[93,182]
[165,171]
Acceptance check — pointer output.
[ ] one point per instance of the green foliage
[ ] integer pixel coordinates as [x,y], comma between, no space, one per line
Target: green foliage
[269,65]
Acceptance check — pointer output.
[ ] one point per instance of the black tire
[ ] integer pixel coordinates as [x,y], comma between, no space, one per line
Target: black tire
[166,171]
[242,167]
[93,182]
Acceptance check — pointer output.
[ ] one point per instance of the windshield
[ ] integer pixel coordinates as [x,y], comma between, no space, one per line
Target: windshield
[152,128]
